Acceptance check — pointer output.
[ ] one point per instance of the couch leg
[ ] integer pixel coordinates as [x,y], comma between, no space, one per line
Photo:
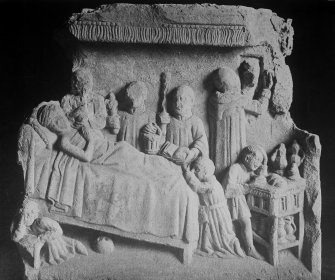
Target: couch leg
[187,253]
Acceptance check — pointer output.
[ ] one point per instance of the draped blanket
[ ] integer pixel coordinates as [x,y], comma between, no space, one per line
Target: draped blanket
[120,187]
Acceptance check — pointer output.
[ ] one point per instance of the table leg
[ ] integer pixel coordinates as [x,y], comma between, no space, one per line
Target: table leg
[301,233]
[273,249]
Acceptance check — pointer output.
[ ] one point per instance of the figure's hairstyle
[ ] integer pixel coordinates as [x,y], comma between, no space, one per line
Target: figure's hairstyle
[185,89]
[204,162]
[45,114]
[250,151]
[136,90]
[225,79]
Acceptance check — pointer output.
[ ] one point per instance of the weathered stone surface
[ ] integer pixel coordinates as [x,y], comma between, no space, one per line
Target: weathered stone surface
[180,83]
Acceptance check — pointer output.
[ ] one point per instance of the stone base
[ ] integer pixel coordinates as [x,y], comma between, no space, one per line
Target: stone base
[139,260]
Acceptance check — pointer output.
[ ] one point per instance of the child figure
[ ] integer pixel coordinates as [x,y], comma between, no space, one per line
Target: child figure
[216,227]
[236,186]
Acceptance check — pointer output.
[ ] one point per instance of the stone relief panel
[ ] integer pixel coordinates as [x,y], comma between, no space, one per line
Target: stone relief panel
[180,144]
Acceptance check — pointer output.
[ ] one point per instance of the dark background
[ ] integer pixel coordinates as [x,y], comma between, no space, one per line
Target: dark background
[34,68]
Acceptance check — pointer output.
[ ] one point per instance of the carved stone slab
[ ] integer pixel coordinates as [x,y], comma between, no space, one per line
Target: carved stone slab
[156,90]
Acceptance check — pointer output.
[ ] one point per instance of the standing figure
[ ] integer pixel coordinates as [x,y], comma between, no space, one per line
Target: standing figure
[83,107]
[236,186]
[227,112]
[185,130]
[226,120]
[216,227]
[135,117]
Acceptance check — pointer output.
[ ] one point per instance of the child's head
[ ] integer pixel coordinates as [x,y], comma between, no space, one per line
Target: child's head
[203,168]
[252,157]
[183,100]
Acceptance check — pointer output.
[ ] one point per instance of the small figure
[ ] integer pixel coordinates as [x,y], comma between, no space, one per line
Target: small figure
[135,116]
[281,232]
[296,157]
[278,160]
[113,119]
[185,130]
[236,186]
[43,237]
[216,227]
[290,228]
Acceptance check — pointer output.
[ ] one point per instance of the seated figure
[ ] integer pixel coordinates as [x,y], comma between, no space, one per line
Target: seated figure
[42,238]
[216,227]
[236,186]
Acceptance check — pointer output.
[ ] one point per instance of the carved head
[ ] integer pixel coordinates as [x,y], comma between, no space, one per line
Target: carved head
[81,82]
[29,212]
[252,157]
[249,73]
[136,94]
[203,168]
[183,101]
[227,81]
[53,117]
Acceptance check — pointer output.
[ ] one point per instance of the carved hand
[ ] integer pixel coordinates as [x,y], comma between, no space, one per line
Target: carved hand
[151,128]
[80,116]
[164,118]
[87,133]
[191,155]
[179,157]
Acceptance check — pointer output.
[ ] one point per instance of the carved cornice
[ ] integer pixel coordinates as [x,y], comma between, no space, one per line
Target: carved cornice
[208,25]
[179,34]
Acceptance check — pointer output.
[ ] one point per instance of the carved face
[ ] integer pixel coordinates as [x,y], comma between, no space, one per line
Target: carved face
[135,103]
[183,101]
[59,123]
[253,160]
[30,214]
[204,169]
[81,83]
[136,94]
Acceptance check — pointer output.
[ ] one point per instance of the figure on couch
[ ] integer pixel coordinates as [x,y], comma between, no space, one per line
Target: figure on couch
[114,184]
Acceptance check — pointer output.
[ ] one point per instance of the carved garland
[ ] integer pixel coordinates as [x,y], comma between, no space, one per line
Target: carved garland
[221,35]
